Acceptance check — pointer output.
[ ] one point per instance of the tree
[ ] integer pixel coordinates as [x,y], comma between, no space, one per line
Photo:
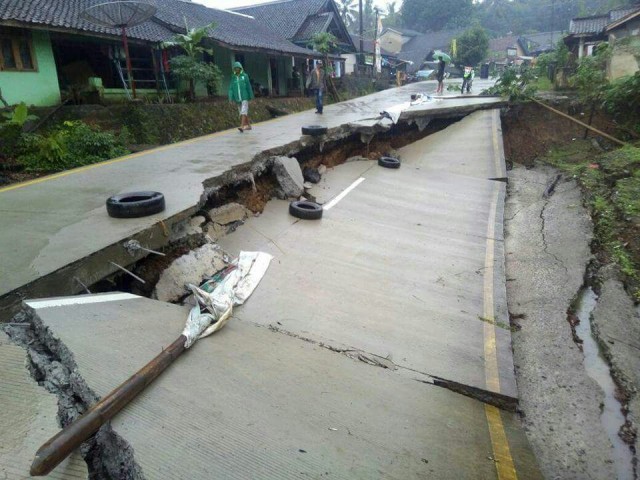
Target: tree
[473,46]
[348,11]
[590,79]
[391,16]
[325,42]
[435,15]
[368,19]
[191,67]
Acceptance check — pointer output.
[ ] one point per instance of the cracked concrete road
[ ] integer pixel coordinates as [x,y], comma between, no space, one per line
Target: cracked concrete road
[56,223]
[548,249]
[250,402]
[330,368]
[400,262]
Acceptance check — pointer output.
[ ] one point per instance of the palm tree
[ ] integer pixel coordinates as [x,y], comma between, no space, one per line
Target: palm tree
[348,11]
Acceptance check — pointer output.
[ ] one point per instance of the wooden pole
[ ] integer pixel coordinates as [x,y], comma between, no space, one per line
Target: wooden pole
[132,82]
[56,449]
[599,132]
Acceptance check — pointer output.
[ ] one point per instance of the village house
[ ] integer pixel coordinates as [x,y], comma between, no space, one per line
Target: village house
[47,49]
[300,20]
[416,48]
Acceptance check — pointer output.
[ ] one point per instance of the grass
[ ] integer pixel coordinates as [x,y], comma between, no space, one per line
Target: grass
[543,84]
[611,183]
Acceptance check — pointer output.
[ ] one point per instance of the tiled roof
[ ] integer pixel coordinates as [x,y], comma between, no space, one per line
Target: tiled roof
[284,16]
[597,23]
[501,44]
[65,14]
[313,25]
[299,20]
[623,20]
[535,43]
[232,29]
[417,49]
[369,46]
[405,32]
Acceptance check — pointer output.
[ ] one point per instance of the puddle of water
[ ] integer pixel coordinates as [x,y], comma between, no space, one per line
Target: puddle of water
[597,368]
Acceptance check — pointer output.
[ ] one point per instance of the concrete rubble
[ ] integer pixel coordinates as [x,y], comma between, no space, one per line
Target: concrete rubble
[228,213]
[191,268]
[289,176]
[28,413]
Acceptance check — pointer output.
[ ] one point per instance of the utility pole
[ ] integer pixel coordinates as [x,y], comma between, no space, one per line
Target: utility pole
[375,40]
[553,13]
[361,35]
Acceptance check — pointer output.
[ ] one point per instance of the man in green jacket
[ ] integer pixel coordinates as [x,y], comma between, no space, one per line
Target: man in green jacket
[240,92]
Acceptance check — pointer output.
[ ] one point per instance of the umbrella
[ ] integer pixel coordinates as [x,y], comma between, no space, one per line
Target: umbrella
[442,55]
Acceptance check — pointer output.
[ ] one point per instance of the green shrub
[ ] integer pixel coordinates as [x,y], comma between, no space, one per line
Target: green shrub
[72,145]
[515,83]
[11,129]
[622,99]
[9,139]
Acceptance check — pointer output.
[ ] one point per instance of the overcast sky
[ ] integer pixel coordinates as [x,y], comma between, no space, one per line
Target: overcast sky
[241,3]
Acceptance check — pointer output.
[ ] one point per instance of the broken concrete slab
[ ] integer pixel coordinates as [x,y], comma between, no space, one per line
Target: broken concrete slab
[548,250]
[70,233]
[289,176]
[228,213]
[28,414]
[215,231]
[191,268]
[249,402]
[396,289]
[616,325]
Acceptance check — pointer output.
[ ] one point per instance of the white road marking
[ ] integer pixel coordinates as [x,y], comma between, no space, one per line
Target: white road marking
[344,193]
[80,300]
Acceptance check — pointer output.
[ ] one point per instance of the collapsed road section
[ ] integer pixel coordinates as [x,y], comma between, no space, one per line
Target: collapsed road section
[57,237]
[335,365]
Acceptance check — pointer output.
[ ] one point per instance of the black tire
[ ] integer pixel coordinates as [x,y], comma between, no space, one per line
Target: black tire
[389,162]
[314,130]
[135,204]
[305,210]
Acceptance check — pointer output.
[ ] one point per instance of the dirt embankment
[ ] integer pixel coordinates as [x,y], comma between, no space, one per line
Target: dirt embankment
[530,131]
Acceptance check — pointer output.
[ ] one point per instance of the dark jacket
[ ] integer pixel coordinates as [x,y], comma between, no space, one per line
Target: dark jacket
[317,79]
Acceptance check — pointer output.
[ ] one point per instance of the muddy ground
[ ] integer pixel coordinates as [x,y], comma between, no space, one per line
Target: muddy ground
[559,242]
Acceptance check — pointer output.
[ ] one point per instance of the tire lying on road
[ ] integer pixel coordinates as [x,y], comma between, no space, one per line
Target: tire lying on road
[389,162]
[314,130]
[305,210]
[135,204]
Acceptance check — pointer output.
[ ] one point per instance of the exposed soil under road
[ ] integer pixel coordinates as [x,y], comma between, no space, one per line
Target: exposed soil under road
[529,131]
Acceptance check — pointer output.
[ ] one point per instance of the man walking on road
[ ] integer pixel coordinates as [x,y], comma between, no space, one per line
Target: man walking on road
[240,92]
[440,75]
[317,81]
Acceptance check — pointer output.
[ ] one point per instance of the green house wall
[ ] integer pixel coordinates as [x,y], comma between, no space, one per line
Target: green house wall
[38,88]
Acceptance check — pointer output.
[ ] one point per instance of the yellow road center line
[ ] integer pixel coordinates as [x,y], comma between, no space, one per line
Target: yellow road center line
[499,442]
[501,453]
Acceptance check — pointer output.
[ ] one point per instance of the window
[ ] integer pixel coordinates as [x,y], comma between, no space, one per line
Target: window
[16,53]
